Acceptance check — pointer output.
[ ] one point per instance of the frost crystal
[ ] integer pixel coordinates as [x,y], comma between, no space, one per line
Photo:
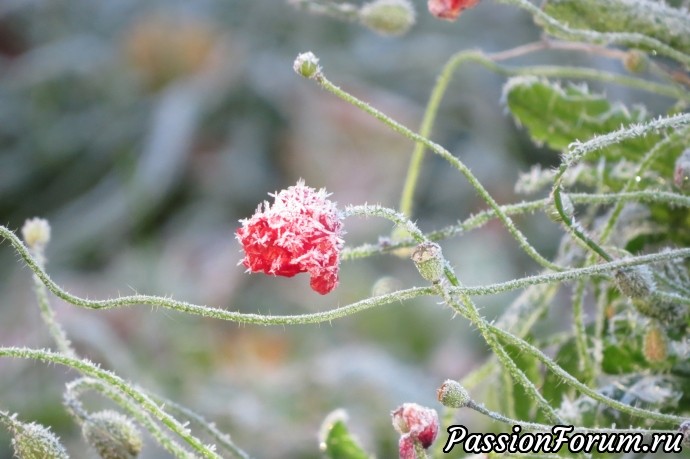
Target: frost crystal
[301,232]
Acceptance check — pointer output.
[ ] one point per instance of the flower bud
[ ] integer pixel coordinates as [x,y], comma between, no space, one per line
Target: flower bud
[34,441]
[681,174]
[655,346]
[429,261]
[417,422]
[388,17]
[453,395]
[36,232]
[636,282]
[673,316]
[307,65]
[113,435]
[635,61]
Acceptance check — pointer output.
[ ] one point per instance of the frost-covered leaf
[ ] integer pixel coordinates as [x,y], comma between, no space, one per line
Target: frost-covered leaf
[651,18]
[558,115]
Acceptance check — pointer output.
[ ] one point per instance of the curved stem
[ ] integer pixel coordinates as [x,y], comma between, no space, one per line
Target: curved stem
[445,154]
[207,311]
[642,167]
[537,427]
[579,331]
[481,218]
[329,315]
[223,439]
[577,150]
[75,388]
[567,378]
[489,61]
[470,312]
[89,369]
[47,313]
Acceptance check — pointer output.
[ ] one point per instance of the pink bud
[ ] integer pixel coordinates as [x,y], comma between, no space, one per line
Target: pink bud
[416,422]
[449,9]
[301,232]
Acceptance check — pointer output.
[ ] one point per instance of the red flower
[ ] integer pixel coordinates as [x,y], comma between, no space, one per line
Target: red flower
[300,233]
[449,9]
[415,423]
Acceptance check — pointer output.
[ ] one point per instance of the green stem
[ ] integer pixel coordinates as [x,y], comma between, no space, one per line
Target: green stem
[205,311]
[578,150]
[483,217]
[75,388]
[570,380]
[47,313]
[89,369]
[489,62]
[575,229]
[329,315]
[642,167]
[537,427]
[221,438]
[579,331]
[445,154]
[470,312]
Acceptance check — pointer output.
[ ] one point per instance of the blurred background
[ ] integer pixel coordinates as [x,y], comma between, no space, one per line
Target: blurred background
[144,130]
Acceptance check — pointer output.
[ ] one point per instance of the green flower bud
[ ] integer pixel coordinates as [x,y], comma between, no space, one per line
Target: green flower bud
[453,395]
[34,441]
[113,435]
[429,261]
[307,65]
[636,283]
[388,17]
[672,316]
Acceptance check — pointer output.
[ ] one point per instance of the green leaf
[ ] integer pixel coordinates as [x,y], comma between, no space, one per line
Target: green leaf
[337,441]
[557,116]
[652,18]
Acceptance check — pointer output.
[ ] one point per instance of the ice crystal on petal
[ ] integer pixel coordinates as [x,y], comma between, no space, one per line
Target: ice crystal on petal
[300,232]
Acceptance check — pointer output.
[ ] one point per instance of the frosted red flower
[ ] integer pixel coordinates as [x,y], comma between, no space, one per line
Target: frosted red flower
[449,9]
[415,423]
[300,233]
